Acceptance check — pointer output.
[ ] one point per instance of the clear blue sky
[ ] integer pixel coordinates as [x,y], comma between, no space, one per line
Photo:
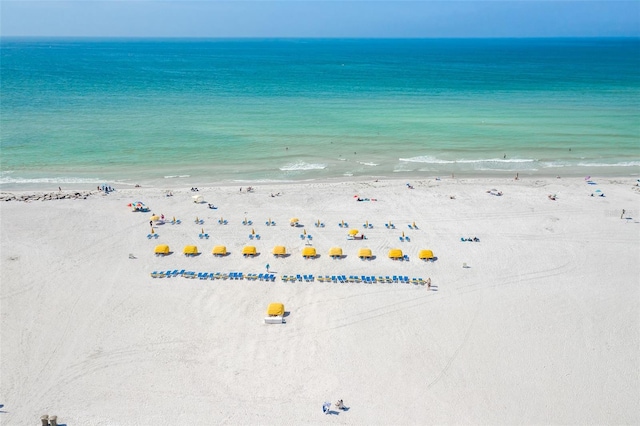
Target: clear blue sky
[307,18]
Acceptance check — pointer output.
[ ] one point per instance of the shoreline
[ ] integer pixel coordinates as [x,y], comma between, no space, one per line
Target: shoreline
[89,189]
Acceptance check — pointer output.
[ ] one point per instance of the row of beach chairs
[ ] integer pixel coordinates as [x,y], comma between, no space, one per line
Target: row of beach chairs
[213,275]
[355,279]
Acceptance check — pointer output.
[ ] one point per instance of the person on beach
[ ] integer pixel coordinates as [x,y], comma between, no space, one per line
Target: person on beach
[429,283]
[267,267]
[150,223]
[622,214]
[340,405]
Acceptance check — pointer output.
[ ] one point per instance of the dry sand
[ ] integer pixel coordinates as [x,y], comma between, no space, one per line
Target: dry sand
[542,327]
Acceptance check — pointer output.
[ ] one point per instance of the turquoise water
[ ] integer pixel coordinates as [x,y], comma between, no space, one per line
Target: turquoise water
[176,112]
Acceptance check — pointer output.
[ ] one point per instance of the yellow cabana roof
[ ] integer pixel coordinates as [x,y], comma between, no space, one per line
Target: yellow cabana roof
[162,249]
[219,250]
[425,254]
[279,250]
[364,252]
[249,250]
[395,254]
[275,309]
[353,232]
[294,219]
[190,250]
[155,217]
[309,252]
[335,251]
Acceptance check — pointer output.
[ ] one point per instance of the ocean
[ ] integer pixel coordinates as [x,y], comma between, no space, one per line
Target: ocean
[179,112]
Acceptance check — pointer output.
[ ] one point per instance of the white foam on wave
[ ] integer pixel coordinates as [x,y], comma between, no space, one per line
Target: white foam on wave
[59,180]
[365,163]
[176,176]
[619,164]
[433,160]
[302,166]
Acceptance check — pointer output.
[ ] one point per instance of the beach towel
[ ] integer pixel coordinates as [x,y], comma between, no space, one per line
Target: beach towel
[325,407]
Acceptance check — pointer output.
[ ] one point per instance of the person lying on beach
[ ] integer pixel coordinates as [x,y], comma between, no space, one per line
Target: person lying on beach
[211,206]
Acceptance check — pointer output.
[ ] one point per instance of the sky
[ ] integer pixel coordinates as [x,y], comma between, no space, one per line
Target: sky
[319,19]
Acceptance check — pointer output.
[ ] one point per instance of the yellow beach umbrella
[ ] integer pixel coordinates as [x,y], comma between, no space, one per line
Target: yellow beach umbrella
[395,253]
[197,220]
[414,224]
[152,231]
[425,254]
[403,233]
[202,230]
[366,223]
[279,251]
[253,231]
[353,232]
[304,231]
[155,217]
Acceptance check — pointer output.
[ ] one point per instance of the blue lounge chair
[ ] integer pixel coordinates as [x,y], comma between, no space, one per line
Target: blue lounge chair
[407,238]
[251,236]
[257,236]
[401,238]
[302,236]
[410,227]
[261,277]
[299,277]
[405,257]
[309,237]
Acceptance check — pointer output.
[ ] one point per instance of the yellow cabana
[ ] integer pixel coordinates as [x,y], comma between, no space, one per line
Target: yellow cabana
[395,254]
[275,309]
[162,249]
[365,253]
[294,220]
[155,217]
[219,251]
[353,232]
[425,254]
[335,252]
[190,250]
[279,251]
[308,252]
[249,251]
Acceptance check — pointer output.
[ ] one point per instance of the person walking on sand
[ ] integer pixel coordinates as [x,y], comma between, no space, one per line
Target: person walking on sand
[622,214]
[267,267]
[429,283]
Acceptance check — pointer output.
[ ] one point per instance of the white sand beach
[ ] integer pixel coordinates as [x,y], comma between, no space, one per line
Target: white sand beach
[541,327]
